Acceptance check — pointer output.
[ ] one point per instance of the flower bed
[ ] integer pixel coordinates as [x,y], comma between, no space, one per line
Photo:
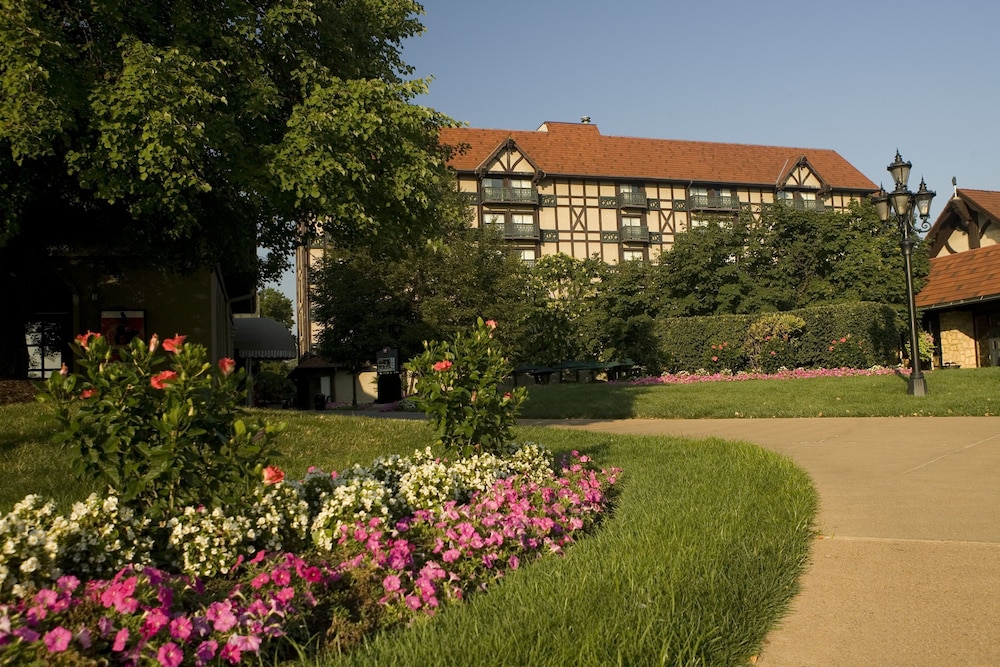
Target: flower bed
[785,374]
[330,558]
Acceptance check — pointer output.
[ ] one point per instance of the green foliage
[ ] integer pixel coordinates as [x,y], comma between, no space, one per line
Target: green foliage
[772,341]
[271,384]
[276,306]
[161,432]
[458,387]
[800,338]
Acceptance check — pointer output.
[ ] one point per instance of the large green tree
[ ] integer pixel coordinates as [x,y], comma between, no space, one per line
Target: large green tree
[786,259]
[183,133]
[276,306]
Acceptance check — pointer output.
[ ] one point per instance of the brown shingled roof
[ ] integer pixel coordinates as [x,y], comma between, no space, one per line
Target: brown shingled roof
[571,149]
[963,277]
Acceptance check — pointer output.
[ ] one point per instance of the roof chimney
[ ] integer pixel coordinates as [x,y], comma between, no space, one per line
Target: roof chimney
[585,119]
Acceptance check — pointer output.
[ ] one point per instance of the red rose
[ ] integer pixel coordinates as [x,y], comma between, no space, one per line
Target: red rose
[273,475]
[161,379]
[174,344]
[226,365]
[442,365]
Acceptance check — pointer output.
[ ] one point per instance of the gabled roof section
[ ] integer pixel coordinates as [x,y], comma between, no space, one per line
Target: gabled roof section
[799,173]
[955,214]
[964,277]
[579,149]
[507,149]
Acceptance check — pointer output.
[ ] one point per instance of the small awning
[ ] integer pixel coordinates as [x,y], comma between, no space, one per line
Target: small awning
[263,338]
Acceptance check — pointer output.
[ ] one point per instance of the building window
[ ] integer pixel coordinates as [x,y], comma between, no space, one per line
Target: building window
[45,339]
[712,199]
[513,190]
[633,230]
[512,224]
[802,201]
[630,194]
[633,256]
[528,256]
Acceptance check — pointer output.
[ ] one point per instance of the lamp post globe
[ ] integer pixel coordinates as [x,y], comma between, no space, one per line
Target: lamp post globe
[904,206]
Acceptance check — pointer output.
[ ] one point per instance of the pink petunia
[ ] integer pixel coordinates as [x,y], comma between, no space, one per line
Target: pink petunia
[57,639]
[170,655]
[121,640]
[180,628]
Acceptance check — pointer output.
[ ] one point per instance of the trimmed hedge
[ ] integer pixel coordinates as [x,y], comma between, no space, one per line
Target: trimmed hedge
[845,335]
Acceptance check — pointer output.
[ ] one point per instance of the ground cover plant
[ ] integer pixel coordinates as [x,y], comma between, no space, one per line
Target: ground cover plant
[817,393]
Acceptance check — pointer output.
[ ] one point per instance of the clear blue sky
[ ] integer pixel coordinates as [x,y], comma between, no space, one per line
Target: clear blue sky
[861,77]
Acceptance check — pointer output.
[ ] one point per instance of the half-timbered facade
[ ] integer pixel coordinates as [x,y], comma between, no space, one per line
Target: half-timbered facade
[567,188]
[961,300]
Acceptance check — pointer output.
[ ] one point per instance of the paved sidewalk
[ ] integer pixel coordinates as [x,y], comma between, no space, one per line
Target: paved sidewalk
[907,572]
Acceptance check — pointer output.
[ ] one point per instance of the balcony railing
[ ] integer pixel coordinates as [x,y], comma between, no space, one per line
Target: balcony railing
[633,199]
[713,202]
[635,233]
[515,230]
[510,195]
[804,204]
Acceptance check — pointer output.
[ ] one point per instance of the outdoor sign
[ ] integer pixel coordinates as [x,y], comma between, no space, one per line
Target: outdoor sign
[387,361]
[119,327]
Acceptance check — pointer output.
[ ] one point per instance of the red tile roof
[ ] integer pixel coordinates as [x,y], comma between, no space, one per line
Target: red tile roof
[968,276]
[986,200]
[572,149]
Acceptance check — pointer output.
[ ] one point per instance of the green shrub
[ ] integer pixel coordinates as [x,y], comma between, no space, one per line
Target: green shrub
[457,386]
[772,341]
[162,432]
[798,338]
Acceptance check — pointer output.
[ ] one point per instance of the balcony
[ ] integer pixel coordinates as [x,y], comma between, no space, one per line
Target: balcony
[804,204]
[632,199]
[515,230]
[713,203]
[510,195]
[638,233]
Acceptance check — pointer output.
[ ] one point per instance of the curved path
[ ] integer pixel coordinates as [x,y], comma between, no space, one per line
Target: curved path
[907,569]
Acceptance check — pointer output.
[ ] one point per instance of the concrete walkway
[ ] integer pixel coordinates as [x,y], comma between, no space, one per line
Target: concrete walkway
[907,571]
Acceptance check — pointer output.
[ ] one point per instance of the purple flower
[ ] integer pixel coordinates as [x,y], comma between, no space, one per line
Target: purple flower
[57,639]
[206,651]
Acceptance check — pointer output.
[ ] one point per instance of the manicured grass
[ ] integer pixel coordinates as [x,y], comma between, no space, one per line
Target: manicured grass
[972,392]
[695,566]
[698,562]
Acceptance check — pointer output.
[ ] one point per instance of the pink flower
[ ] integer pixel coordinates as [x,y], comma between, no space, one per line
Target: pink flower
[442,365]
[87,393]
[273,475]
[154,342]
[57,639]
[391,583]
[174,344]
[831,348]
[170,655]
[715,358]
[492,324]
[161,379]
[230,652]
[64,370]
[226,365]
[121,639]
[180,628]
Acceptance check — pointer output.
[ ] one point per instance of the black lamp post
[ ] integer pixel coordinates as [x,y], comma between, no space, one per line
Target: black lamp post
[903,205]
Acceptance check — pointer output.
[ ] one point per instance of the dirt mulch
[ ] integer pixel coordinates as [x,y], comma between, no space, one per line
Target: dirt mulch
[17,391]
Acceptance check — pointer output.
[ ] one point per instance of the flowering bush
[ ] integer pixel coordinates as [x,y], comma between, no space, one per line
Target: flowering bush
[772,341]
[723,356]
[846,352]
[161,438]
[925,345]
[457,386]
[780,374]
[275,602]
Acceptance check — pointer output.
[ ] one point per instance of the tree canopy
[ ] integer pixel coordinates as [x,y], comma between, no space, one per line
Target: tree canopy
[276,306]
[186,133]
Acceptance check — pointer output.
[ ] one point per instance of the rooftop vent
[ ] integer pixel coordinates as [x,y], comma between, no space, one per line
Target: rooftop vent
[585,119]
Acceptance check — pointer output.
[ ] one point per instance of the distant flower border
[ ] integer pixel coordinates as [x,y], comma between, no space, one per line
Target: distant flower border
[787,374]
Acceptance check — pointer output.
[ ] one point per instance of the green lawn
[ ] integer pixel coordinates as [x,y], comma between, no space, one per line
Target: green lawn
[972,392]
[697,563]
